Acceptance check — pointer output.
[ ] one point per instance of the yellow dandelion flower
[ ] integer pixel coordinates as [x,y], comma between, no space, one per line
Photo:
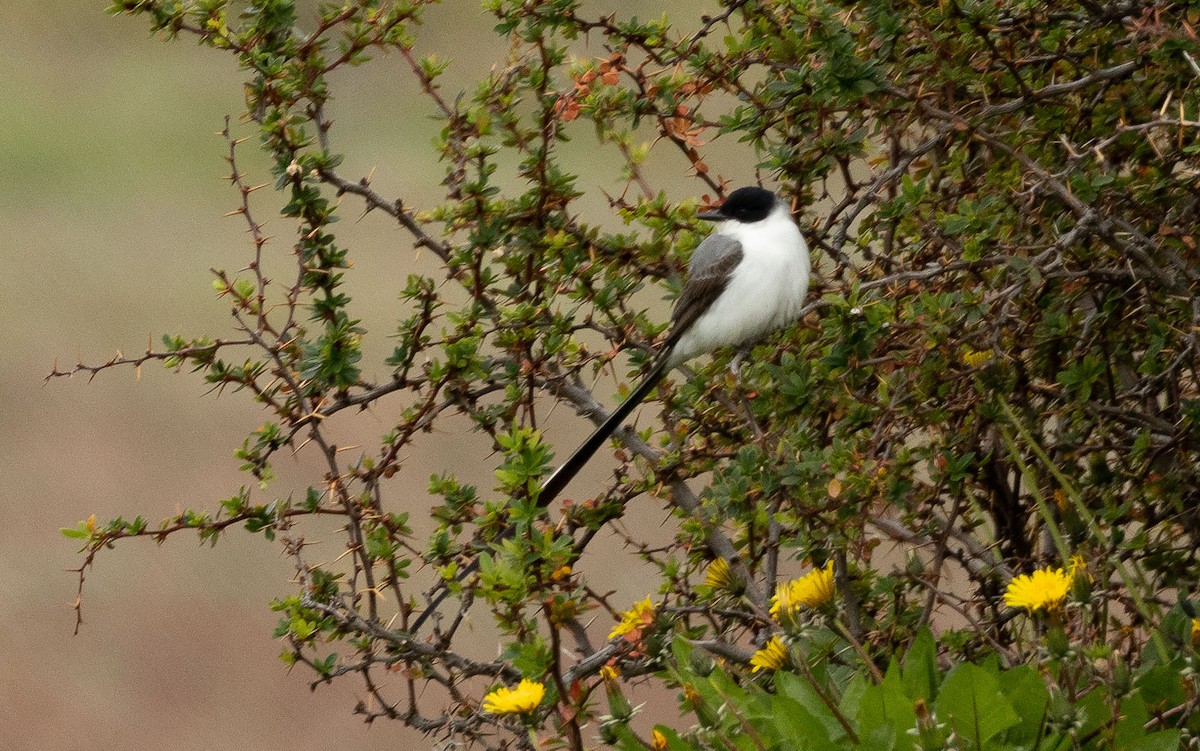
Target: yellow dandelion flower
[1044,589]
[1196,631]
[771,657]
[658,741]
[609,673]
[634,619]
[976,358]
[520,700]
[719,574]
[812,590]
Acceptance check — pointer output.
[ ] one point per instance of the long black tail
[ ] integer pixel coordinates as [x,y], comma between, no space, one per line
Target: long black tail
[566,471]
[559,479]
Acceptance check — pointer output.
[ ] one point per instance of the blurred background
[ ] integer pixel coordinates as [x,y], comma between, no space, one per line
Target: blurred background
[111,205]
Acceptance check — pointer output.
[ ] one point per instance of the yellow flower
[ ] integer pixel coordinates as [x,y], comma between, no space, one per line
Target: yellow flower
[610,674]
[813,590]
[1196,631]
[634,619]
[520,700]
[1044,589]
[721,577]
[771,657]
[658,741]
[976,358]
[719,574]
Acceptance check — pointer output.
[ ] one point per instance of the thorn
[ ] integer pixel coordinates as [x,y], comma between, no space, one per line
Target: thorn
[1192,62]
[1162,110]
[296,450]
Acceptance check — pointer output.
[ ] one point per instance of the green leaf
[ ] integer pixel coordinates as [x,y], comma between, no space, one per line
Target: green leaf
[852,697]
[799,691]
[1093,710]
[301,628]
[920,671]
[78,532]
[1131,727]
[887,706]
[971,701]
[794,725]
[1026,690]
[956,223]
[380,544]
[1163,740]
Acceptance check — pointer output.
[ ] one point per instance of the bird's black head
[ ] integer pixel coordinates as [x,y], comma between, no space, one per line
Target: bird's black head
[743,205]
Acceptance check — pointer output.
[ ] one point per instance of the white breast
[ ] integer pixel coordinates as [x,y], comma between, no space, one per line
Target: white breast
[765,291]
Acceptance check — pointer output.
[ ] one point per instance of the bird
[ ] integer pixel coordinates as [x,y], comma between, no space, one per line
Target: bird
[749,277]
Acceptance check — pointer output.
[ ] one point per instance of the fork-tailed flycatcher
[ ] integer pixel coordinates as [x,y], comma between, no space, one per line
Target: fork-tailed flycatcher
[746,279]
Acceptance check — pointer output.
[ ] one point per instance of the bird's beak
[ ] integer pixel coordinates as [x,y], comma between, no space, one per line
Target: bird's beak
[713,215]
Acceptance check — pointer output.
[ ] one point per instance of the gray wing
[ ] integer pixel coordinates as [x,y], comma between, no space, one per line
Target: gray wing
[715,249]
[708,275]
